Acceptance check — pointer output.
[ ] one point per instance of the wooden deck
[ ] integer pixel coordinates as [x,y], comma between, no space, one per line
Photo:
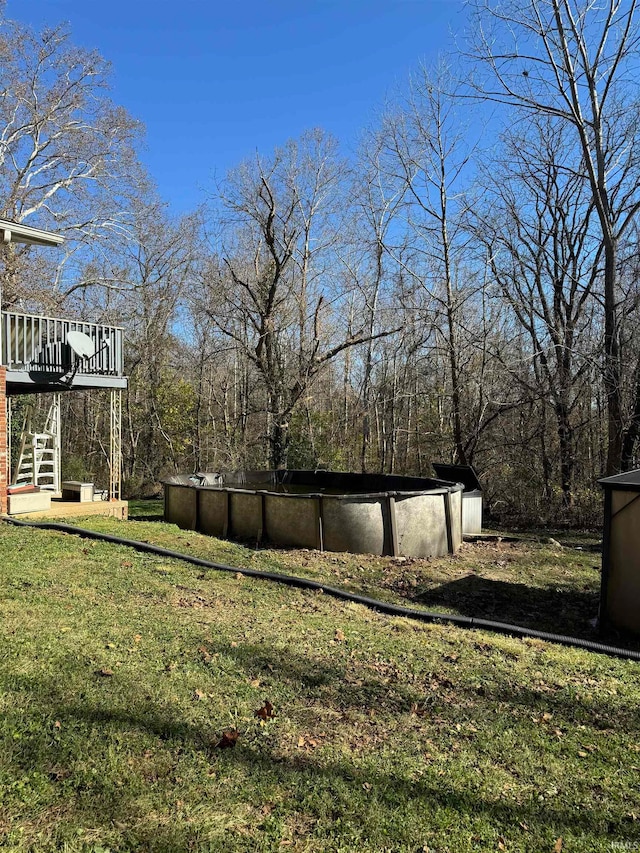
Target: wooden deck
[39,359]
[75,509]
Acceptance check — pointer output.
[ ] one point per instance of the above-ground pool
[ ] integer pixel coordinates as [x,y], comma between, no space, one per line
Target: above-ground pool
[327,510]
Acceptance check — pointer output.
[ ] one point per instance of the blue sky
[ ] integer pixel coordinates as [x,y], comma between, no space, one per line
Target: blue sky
[215,81]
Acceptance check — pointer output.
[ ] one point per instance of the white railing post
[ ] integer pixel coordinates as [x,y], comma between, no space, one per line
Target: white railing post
[29,341]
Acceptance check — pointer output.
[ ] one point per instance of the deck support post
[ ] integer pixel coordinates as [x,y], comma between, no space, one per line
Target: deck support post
[115,449]
[57,443]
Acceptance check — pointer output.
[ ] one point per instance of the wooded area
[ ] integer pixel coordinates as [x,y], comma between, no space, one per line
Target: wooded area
[464,288]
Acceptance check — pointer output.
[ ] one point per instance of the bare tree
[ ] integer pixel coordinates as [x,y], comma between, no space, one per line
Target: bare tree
[66,150]
[376,200]
[281,220]
[572,61]
[536,224]
[428,151]
[152,267]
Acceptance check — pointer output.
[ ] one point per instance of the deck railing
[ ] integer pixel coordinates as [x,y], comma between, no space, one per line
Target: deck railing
[36,344]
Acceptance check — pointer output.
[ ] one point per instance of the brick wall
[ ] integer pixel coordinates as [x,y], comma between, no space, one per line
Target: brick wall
[4,462]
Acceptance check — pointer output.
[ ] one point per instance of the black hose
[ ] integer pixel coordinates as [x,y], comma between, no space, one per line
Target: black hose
[343,594]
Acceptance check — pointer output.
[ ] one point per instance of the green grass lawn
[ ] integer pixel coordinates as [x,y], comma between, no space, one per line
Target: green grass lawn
[528,581]
[129,686]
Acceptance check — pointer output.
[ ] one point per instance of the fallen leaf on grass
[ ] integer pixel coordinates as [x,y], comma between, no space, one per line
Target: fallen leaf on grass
[439,681]
[304,741]
[105,673]
[206,654]
[557,847]
[239,576]
[58,773]
[199,694]
[266,712]
[229,738]
[339,635]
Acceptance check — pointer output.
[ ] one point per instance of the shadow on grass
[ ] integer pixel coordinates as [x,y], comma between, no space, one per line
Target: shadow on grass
[560,611]
[443,687]
[324,786]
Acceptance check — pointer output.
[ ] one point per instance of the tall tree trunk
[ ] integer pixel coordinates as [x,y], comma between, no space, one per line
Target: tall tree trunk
[279,443]
[566,450]
[612,363]
[368,365]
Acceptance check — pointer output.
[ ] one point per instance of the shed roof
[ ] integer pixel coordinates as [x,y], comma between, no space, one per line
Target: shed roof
[626,480]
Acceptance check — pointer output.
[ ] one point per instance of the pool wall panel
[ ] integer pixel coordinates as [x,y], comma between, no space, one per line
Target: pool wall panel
[422,530]
[212,511]
[181,506]
[456,503]
[245,520]
[292,521]
[354,524]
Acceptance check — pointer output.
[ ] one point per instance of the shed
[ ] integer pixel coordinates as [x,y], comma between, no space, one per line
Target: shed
[471,496]
[620,583]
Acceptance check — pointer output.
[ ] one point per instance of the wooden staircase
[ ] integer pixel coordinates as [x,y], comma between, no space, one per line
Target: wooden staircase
[39,457]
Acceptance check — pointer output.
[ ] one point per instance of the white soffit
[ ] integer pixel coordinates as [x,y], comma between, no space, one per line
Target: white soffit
[13,232]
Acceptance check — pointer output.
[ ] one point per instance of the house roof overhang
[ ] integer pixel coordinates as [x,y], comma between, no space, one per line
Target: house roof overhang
[14,232]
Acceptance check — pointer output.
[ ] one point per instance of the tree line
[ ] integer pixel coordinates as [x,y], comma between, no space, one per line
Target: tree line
[463,288]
